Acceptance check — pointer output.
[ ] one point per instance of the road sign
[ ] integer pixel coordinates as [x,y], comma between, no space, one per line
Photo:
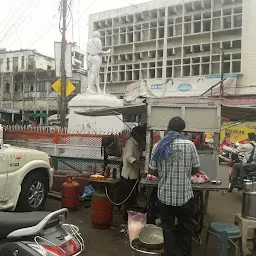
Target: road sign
[69,88]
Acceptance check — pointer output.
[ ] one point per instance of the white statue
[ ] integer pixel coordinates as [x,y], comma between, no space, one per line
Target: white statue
[94,61]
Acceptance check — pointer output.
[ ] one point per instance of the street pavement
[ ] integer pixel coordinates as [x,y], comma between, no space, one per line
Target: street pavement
[111,242]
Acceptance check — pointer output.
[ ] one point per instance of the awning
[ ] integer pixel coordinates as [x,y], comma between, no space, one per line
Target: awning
[238,113]
[233,112]
[133,109]
[37,115]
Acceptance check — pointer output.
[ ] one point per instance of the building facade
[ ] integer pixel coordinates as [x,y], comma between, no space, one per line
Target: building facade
[164,39]
[78,57]
[26,79]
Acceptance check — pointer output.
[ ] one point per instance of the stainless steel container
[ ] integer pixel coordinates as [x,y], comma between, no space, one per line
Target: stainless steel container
[249,200]
[139,250]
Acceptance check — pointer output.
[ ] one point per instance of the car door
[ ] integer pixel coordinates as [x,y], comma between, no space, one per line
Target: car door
[3,173]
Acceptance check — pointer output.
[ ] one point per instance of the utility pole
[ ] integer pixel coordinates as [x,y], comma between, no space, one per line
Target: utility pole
[222,54]
[222,73]
[63,100]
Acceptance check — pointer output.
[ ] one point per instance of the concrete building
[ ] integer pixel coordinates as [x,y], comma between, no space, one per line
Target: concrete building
[164,39]
[26,78]
[78,57]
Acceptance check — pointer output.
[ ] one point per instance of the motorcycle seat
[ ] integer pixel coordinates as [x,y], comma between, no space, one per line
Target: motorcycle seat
[11,221]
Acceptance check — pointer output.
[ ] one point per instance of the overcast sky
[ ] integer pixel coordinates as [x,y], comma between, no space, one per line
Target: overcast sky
[33,24]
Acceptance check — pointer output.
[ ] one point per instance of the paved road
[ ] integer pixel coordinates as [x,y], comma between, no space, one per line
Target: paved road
[113,243]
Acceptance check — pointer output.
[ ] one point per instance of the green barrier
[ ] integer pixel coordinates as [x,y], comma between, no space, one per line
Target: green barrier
[57,159]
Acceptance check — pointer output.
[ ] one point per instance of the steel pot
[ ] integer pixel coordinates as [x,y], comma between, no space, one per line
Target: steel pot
[152,237]
[247,185]
[139,250]
[249,204]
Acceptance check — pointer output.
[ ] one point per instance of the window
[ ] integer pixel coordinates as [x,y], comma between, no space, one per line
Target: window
[7,64]
[77,84]
[23,62]
[30,62]
[30,86]
[49,67]
[18,87]
[7,87]
[1,63]
[15,64]
[41,86]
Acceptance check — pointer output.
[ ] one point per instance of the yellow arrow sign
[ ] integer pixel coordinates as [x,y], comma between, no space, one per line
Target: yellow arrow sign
[69,88]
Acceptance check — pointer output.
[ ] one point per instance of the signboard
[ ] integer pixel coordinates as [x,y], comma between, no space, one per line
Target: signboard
[69,88]
[180,87]
[238,131]
[68,59]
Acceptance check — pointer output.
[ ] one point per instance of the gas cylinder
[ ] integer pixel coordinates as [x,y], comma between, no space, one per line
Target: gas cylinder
[70,194]
[101,210]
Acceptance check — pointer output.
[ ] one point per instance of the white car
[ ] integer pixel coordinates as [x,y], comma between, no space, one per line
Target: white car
[26,177]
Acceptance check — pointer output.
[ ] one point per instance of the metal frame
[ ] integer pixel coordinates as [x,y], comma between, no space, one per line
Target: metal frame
[183,104]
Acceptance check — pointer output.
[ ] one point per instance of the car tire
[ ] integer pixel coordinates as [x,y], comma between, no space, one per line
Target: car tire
[33,193]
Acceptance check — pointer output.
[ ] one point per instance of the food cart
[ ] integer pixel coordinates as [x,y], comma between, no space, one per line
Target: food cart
[201,115]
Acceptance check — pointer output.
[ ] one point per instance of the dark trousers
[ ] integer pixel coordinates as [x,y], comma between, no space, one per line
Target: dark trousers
[245,170]
[184,215]
[126,188]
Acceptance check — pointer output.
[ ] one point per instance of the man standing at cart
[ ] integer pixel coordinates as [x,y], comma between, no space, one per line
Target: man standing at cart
[131,167]
[174,160]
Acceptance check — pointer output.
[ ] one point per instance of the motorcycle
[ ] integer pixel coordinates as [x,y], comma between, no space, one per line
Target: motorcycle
[39,234]
[231,157]
[250,176]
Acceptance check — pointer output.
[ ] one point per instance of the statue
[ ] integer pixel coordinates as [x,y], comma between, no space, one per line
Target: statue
[94,61]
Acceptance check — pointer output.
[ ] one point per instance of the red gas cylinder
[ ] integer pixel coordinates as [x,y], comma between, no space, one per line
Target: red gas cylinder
[70,194]
[101,210]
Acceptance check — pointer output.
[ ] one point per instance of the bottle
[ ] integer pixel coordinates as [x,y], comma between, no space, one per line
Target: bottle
[102,170]
[107,172]
[114,173]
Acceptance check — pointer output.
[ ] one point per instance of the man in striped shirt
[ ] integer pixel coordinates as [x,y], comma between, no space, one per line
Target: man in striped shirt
[174,159]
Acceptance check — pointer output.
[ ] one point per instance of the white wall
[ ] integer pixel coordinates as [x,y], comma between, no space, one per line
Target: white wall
[42,62]
[11,55]
[247,82]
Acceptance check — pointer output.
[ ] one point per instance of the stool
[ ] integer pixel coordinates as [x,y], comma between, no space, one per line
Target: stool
[224,232]
[244,225]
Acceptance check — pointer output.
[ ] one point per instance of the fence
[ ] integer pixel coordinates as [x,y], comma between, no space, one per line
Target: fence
[69,151]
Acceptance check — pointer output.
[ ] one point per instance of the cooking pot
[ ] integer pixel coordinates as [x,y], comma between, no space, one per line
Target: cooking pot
[139,250]
[152,237]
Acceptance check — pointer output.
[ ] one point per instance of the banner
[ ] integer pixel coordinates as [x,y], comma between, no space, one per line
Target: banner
[238,131]
[180,87]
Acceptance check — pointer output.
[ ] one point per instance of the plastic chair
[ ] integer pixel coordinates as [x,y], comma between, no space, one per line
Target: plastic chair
[224,232]
[245,224]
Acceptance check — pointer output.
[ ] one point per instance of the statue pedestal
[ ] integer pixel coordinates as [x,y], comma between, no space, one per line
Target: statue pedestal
[87,124]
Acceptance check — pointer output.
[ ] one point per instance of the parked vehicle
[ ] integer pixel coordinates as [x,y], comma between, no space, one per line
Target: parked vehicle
[26,176]
[251,176]
[39,234]
[230,157]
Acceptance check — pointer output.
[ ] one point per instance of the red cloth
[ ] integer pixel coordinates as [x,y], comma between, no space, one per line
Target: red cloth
[226,142]
[197,140]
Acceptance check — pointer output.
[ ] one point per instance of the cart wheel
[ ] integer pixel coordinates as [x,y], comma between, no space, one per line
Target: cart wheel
[198,214]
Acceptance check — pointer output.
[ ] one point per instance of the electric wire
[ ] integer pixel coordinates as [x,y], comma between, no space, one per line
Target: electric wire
[118,204]
[8,20]
[27,7]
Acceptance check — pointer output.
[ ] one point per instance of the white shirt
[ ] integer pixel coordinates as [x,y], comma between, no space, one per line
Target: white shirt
[246,149]
[131,153]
